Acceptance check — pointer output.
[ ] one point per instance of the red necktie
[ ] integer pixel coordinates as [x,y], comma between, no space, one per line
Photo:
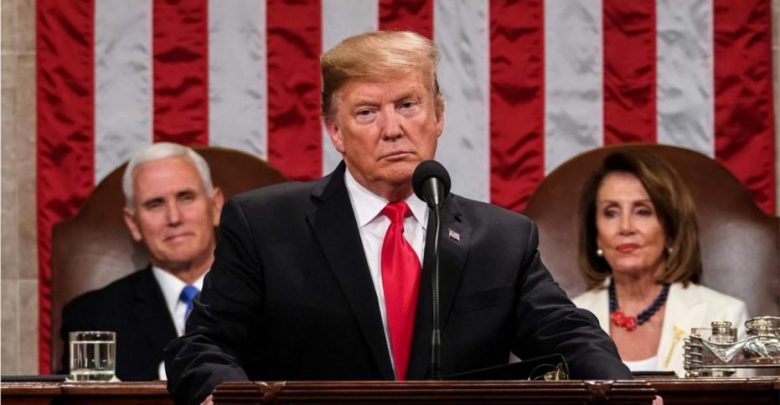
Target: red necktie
[401,280]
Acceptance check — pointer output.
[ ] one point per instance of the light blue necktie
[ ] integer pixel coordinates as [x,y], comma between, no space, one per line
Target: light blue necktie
[188,293]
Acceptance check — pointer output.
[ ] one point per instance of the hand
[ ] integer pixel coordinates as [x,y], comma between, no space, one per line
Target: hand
[210,401]
[657,401]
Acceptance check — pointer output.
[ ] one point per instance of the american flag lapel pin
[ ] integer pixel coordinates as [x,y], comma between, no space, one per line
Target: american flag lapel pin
[453,235]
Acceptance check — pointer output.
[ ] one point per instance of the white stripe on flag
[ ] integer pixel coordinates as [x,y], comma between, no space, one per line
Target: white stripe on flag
[123,81]
[342,19]
[238,95]
[574,61]
[685,68]
[462,34]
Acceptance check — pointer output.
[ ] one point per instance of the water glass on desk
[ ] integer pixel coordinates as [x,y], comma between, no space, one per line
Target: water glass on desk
[92,356]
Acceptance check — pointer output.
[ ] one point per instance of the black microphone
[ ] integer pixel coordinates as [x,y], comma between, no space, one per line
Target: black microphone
[431,184]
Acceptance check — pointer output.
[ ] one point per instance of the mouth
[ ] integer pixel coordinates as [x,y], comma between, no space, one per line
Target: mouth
[400,155]
[177,237]
[627,247]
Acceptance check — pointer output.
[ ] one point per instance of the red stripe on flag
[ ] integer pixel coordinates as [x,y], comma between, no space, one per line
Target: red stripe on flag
[744,124]
[629,71]
[410,15]
[65,133]
[516,101]
[180,43]
[294,129]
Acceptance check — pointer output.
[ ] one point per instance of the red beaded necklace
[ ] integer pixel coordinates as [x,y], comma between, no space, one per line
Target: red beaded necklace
[622,320]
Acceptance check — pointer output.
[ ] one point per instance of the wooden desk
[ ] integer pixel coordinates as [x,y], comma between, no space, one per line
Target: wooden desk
[720,391]
[146,393]
[437,392]
[759,391]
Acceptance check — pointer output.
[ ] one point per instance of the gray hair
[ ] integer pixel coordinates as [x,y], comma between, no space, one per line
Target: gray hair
[159,151]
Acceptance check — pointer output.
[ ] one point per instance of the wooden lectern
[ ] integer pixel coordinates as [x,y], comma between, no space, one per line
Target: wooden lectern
[437,392]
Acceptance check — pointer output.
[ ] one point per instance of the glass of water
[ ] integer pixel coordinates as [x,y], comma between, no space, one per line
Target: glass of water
[92,356]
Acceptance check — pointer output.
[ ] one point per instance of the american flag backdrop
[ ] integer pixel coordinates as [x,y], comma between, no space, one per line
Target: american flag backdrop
[528,84]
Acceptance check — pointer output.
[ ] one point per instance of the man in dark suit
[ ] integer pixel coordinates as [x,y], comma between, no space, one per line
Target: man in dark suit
[172,207]
[321,280]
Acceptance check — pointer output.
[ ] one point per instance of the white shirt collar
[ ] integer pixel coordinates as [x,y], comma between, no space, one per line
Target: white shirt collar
[368,205]
[171,286]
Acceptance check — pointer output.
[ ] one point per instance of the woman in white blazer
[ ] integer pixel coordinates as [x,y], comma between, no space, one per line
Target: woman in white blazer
[639,252]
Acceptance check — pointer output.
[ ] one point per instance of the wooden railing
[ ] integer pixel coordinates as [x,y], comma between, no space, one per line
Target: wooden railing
[759,390]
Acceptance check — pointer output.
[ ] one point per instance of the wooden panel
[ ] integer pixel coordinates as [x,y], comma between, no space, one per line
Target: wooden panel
[754,391]
[449,392]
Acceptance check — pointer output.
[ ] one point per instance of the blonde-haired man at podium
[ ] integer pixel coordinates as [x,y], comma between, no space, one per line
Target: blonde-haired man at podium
[325,280]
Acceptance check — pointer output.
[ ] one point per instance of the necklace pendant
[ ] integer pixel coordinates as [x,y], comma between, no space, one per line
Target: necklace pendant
[621,320]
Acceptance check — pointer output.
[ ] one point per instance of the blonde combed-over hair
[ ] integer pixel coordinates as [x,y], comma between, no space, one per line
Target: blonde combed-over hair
[376,57]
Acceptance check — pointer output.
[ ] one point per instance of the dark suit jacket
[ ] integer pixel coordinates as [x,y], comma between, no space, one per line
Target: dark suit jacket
[135,309]
[290,297]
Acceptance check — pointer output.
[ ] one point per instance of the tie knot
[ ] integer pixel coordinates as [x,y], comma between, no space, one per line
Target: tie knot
[396,211]
[188,293]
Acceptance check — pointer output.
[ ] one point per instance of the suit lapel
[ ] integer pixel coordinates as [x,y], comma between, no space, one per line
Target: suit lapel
[151,313]
[454,242]
[685,309]
[602,304]
[335,227]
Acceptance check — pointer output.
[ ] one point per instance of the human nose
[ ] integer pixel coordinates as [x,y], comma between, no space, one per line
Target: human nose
[173,213]
[392,127]
[626,224]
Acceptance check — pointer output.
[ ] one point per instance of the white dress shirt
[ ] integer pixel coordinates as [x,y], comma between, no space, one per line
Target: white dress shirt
[171,287]
[372,225]
[648,364]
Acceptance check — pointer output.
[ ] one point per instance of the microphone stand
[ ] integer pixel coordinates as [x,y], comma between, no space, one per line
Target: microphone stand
[431,183]
[436,332]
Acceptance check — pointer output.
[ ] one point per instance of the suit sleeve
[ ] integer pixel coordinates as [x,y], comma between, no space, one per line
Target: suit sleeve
[217,338]
[548,322]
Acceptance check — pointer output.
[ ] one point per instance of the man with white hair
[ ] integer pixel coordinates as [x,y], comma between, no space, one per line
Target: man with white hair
[172,208]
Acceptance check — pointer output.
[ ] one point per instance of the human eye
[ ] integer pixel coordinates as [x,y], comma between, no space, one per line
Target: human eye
[186,196]
[645,211]
[610,212]
[365,115]
[153,204]
[408,105]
